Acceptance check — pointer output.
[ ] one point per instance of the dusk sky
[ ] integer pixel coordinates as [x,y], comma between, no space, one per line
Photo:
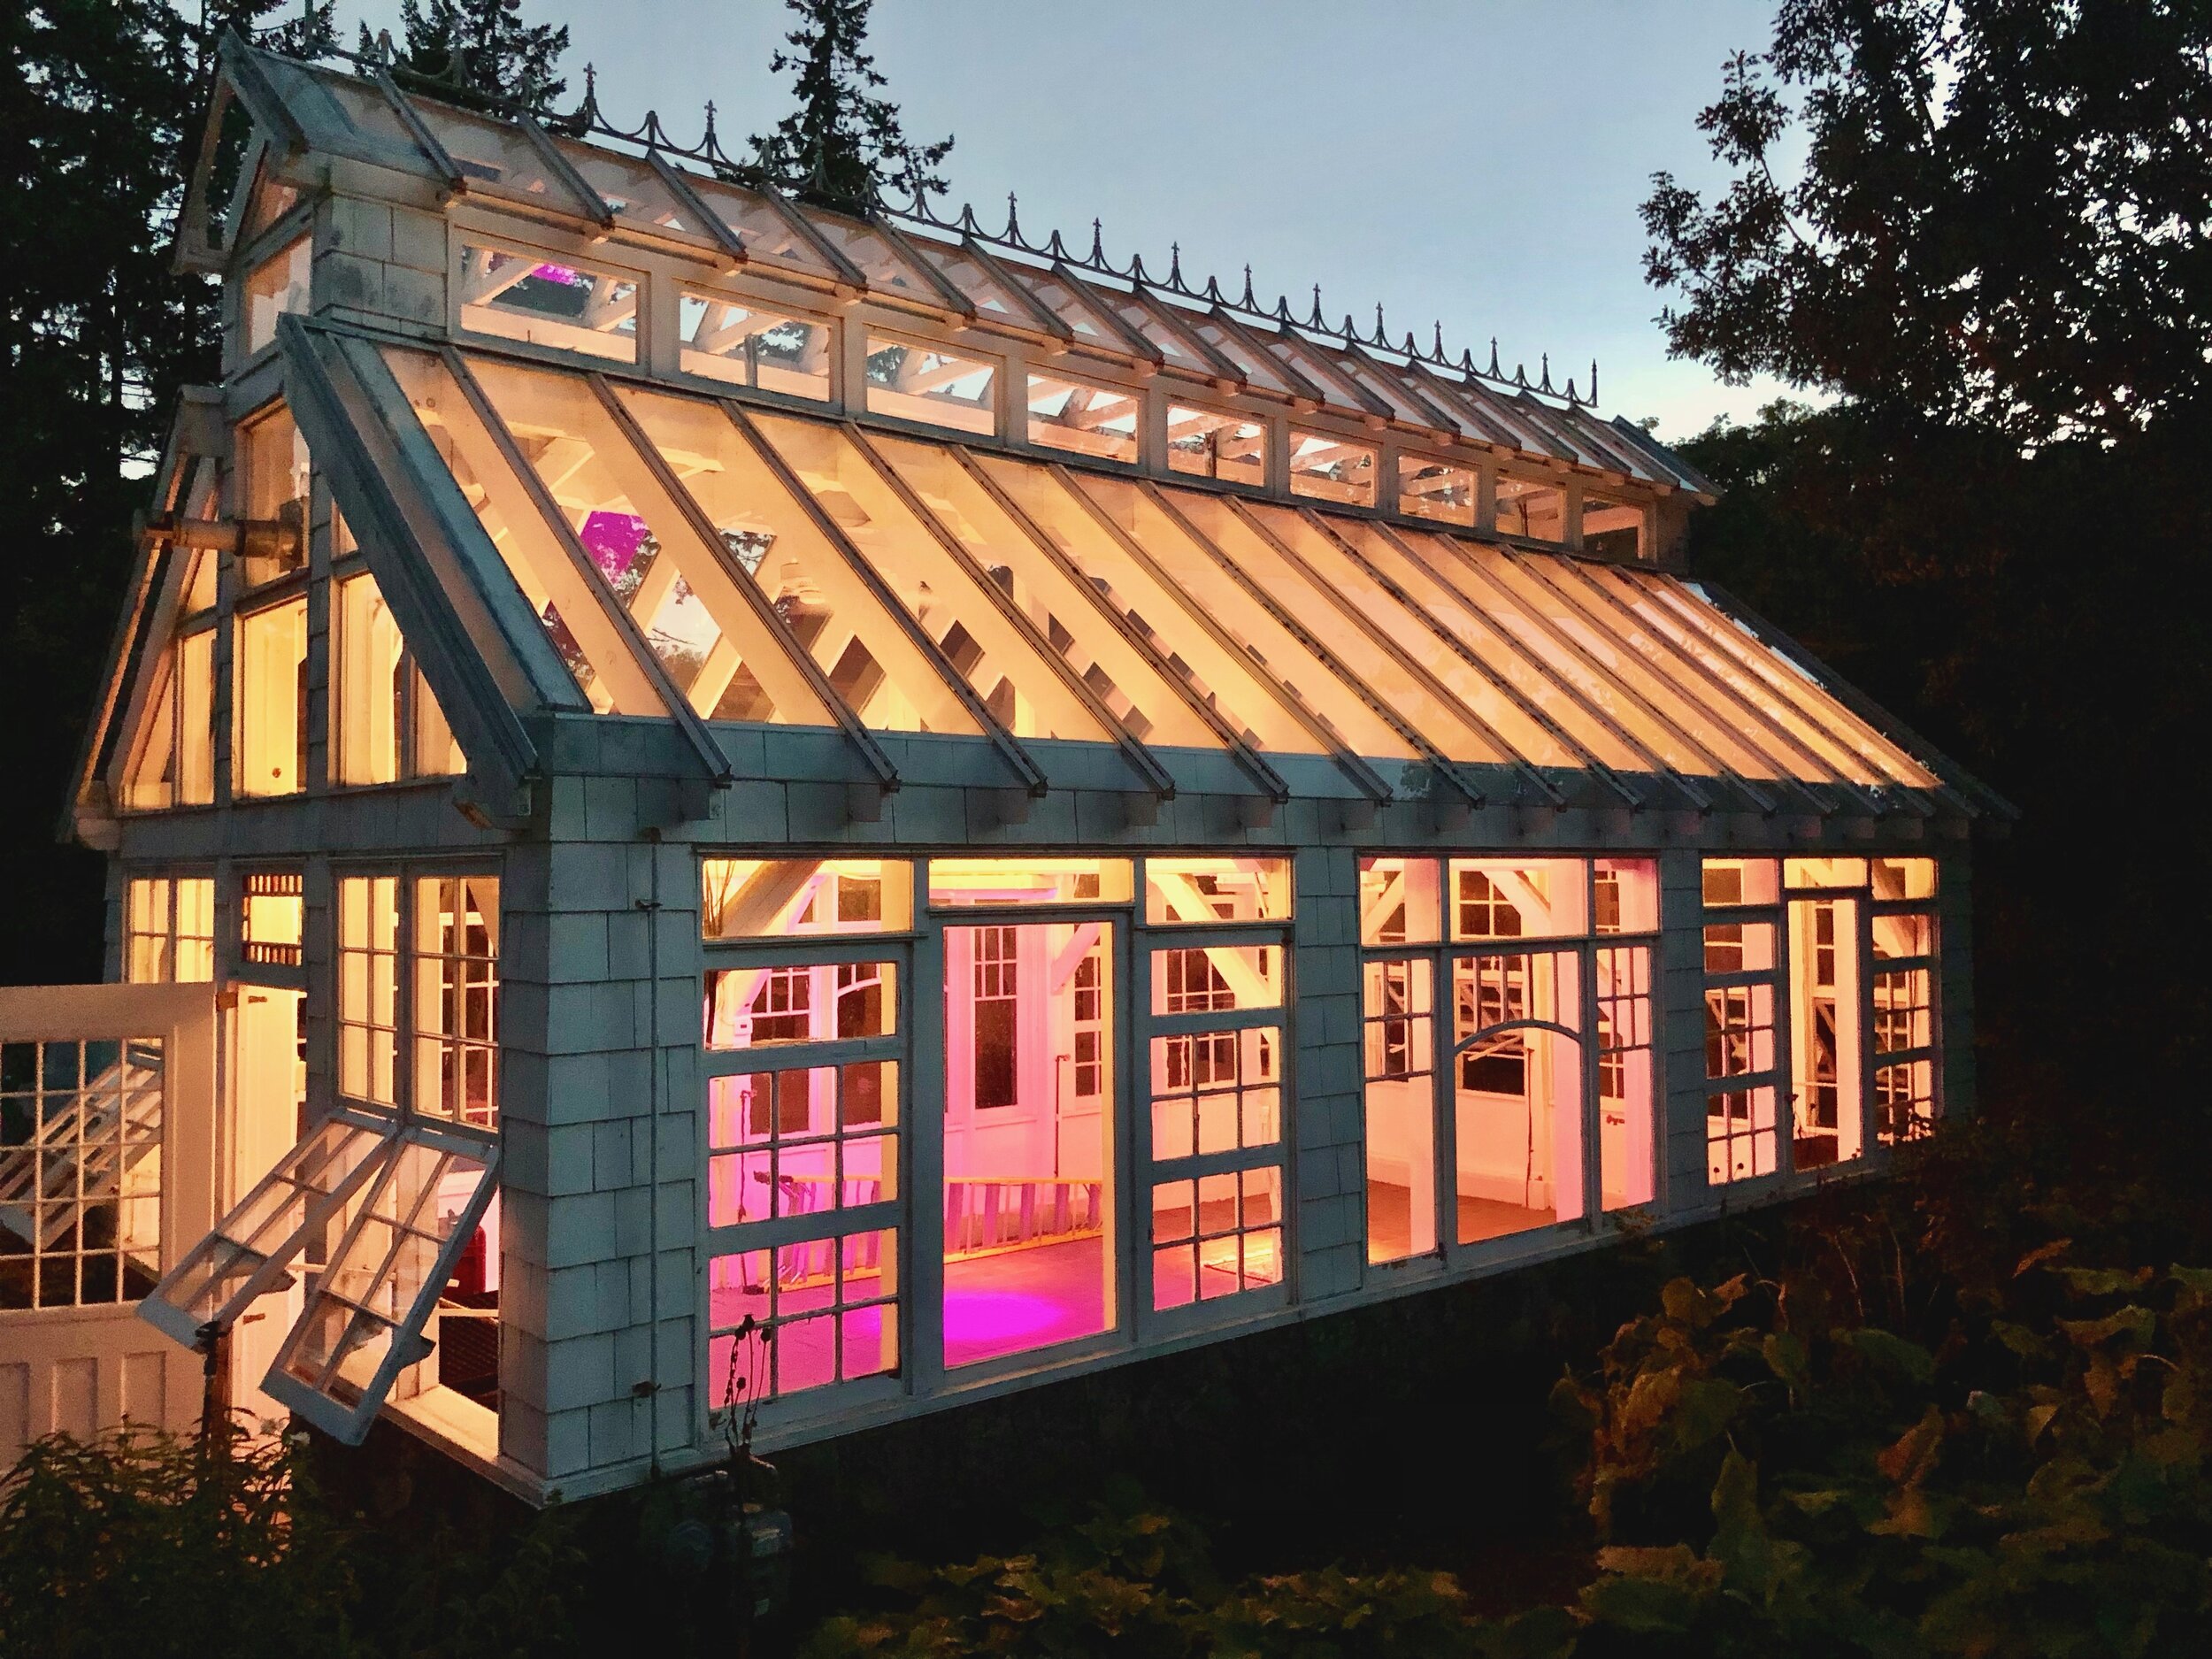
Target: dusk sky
[1477,164]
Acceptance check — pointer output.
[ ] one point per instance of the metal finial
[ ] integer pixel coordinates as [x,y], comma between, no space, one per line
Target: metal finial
[1493,360]
[1546,386]
[1175,264]
[1411,348]
[1381,339]
[1520,374]
[1467,361]
[1593,382]
[1098,246]
[1282,308]
[1571,399]
[1350,331]
[967,219]
[1057,249]
[1318,323]
[1246,301]
[1436,350]
[1013,221]
[1213,291]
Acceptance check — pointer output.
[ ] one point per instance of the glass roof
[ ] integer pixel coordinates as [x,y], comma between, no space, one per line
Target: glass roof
[777,568]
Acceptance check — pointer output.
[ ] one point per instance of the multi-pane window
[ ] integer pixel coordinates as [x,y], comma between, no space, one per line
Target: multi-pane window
[455,969]
[1545,968]
[80,1175]
[1435,489]
[804,1115]
[368,995]
[169,930]
[1218,1149]
[1083,418]
[1743,1077]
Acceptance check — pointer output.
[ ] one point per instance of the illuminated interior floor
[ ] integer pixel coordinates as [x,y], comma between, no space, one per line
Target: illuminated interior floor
[1390,1220]
[1021,1299]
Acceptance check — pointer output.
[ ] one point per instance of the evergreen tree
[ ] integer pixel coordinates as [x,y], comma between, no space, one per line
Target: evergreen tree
[101,107]
[843,142]
[482,47]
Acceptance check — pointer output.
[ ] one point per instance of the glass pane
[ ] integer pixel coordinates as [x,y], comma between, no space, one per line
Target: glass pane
[1332,469]
[1824,1032]
[757,898]
[1153,606]
[1028,1197]
[366,700]
[802,1316]
[1211,443]
[1901,1011]
[1799,874]
[1398,901]
[1216,979]
[1897,936]
[1209,890]
[1216,1236]
[1904,1101]
[80,1172]
[456,999]
[1531,509]
[1627,1143]
[1733,881]
[1021,880]
[369,1304]
[747,343]
[1612,529]
[773,541]
[277,284]
[271,719]
[1496,898]
[1904,878]
[759,1008]
[1218,1091]
[1083,418]
[573,308]
[1516,1086]
[269,914]
[368,935]
[1738,1135]
[806,1142]
[1398,1053]
[923,383]
[1058,603]
[264,1230]
[1433,489]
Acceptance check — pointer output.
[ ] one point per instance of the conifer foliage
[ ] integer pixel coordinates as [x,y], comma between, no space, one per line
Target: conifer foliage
[843,144]
[482,47]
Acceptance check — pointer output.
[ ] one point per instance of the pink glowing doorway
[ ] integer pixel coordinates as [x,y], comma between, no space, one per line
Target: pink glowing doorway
[1029,1090]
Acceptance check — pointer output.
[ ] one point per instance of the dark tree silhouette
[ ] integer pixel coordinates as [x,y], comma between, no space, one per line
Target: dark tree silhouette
[843,142]
[482,47]
[2004,215]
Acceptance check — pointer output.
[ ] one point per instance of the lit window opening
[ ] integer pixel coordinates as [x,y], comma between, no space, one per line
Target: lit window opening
[279,284]
[545,302]
[1436,489]
[1083,418]
[169,930]
[744,342]
[1330,469]
[1210,443]
[921,383]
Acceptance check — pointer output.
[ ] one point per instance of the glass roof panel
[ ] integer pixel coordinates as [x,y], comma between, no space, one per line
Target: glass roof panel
[1085,318]
[1059,603]
[888,271]
[985,292]
[679,590]
[495,153]
[1277,569]
[631,189]
[948,600]
[1255,366]
[867,655]
[766,233]
[1135,585]
[1513,664]
[1234,607]
[370,113]
[1436,646]
[558,594]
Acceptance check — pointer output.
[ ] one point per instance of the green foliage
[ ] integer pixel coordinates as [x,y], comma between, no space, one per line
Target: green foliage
[1997,221]
[1957,1416]
[481,48]
[154,1545]
[842,143]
